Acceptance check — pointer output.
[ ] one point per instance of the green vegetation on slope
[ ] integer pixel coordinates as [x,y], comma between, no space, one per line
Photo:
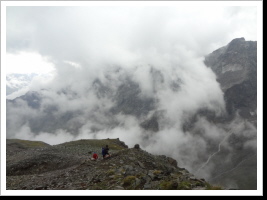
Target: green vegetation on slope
[27,143]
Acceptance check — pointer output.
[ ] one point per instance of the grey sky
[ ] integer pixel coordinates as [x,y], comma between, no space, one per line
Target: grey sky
[125,34]
[55,39]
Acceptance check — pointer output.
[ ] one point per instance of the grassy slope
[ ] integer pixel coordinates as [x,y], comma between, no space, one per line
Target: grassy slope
[26,143]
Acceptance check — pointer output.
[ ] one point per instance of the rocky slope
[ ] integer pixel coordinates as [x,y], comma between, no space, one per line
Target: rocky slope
[35,165]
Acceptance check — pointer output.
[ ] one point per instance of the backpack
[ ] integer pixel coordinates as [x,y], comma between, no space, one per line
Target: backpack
[103,151]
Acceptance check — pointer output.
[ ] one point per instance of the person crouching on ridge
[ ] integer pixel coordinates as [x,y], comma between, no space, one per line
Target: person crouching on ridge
[105,152]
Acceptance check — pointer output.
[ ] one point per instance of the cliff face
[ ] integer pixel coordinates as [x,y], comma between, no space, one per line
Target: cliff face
[35,165]
[235,66]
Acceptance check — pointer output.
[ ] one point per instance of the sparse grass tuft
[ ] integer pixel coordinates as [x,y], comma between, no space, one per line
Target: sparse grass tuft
[110,172]
[28,143]
[156,172]
[184,185]
[213,187]
[168,185]
[129,180]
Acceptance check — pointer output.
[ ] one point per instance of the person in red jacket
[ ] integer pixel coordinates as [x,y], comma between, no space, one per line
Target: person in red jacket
[95,156]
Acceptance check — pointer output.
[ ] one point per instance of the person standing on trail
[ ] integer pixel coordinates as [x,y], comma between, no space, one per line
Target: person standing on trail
[95,156]
[105,152]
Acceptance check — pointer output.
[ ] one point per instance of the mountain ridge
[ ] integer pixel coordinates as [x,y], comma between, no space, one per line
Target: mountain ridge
[34,165]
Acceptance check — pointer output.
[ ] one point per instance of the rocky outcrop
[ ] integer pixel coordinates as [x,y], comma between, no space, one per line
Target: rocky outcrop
[235,66]
[234,63]
[68,167]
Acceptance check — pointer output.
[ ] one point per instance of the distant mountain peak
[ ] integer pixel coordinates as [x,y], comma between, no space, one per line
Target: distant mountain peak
[241,39]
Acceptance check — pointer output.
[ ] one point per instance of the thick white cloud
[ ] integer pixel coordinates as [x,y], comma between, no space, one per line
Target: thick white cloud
[95,38]
[123,34]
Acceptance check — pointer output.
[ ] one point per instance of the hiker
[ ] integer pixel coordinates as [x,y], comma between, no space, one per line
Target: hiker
[95,156]
[105,152]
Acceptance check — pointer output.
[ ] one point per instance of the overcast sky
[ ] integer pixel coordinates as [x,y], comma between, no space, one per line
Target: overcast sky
[38,38]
